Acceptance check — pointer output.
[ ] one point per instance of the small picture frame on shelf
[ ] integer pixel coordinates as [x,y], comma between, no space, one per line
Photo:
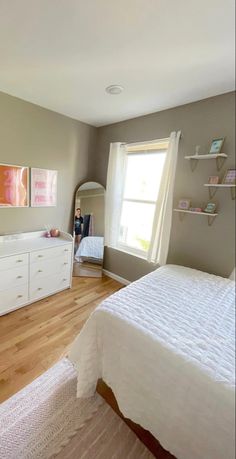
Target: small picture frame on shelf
[210,208]
[184,204]
[230,177]
[216,146]
[213,179]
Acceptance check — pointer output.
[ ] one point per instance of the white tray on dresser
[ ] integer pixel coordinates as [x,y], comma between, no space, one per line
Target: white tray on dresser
[33,267]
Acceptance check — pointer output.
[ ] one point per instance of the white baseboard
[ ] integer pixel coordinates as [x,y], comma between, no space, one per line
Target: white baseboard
[116,277]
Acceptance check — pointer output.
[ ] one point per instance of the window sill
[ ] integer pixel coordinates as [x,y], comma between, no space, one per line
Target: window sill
[130,252]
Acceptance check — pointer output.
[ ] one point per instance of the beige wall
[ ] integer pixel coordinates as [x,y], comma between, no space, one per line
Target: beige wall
[192,243]
[36,137]
[33,136]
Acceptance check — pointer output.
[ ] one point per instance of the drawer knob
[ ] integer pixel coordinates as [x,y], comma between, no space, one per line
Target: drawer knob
[64,280]
[65,264]
[40,271]
[39,288]
[19,296]
[40,256]
[66,250]
[19,261]
[19,277]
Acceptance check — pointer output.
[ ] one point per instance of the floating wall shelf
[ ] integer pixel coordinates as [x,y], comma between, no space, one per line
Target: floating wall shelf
[211,217]
[220,159]
[213,188]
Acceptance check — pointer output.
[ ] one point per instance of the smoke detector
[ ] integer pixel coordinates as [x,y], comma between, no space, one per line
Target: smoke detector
[114,89]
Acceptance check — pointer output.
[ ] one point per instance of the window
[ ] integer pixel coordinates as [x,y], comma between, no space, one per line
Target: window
[144,166]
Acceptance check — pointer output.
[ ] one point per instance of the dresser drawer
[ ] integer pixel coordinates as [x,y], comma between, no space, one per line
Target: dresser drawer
[13,261]
[44,268]
[13,298]
[11,278]
[48,285]
[63,251]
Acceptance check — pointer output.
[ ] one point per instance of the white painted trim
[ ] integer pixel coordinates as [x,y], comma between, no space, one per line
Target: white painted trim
[116,277]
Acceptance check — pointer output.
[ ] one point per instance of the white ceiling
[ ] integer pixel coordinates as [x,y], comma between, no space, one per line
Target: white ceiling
[61,54]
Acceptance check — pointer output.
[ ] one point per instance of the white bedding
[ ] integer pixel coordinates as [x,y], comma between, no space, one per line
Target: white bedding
[165,345]
[90,247]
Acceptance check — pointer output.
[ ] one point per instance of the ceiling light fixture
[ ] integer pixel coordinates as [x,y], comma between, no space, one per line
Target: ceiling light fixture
[114,89]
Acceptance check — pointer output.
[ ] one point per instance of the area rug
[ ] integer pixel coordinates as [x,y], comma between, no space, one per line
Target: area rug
[46,420]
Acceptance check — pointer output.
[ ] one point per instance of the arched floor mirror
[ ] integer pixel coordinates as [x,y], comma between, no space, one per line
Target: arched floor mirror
[89,230]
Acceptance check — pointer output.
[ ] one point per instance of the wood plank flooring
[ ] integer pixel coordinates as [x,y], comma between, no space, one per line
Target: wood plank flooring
[35,337]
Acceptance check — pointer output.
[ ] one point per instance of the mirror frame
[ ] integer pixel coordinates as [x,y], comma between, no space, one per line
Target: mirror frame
[73,210]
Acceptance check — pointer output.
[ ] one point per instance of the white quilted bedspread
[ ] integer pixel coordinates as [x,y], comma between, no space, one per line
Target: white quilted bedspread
[90,247]
[165,345]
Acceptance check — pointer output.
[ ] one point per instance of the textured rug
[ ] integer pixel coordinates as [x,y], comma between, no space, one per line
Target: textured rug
[46,420]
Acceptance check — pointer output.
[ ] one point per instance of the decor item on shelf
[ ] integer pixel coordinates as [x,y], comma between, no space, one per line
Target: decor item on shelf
[196,209]
[43,188]
[14,186]
[230,177]
[213,179]
[54,232]
[216,145]
[210,208]
[184,204]
[197,150]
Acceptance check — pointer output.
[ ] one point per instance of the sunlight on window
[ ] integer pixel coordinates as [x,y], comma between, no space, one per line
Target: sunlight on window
[136,224]
[142,183]
[143,176]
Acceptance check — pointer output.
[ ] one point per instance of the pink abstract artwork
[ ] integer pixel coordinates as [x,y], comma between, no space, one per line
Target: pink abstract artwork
[14,186]
[43,188]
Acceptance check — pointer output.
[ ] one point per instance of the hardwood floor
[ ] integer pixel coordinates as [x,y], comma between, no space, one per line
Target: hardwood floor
[35,337]
[145,436]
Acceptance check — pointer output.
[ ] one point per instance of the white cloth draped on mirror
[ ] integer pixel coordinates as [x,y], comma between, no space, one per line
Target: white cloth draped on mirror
[159,242]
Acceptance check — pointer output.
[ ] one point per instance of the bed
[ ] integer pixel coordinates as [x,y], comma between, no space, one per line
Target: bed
[165,346]
[90,247]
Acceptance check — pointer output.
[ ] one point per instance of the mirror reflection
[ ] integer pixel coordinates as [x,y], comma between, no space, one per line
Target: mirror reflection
[89,230]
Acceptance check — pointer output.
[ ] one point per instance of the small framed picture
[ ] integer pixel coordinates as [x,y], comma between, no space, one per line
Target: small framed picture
[43,188]
[210,208]
[184,204]
[216,145]
[213,179]
[230,177]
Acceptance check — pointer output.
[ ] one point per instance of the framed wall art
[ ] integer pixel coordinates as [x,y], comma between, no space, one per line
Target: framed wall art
[216,145]
[184,204]
[230,177]
[14,186]
[43,188]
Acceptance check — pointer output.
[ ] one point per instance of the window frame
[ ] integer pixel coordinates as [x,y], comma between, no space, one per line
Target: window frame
[121,246]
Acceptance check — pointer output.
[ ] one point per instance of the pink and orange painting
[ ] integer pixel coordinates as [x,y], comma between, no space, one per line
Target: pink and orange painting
[14,186]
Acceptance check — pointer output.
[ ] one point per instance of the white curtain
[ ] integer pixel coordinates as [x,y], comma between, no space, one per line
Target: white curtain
[114,192]
[160,239]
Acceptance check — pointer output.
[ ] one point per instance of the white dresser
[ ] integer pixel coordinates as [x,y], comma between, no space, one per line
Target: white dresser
[33,267]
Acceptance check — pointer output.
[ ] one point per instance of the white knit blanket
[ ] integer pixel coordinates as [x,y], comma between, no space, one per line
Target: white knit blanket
[165,345]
